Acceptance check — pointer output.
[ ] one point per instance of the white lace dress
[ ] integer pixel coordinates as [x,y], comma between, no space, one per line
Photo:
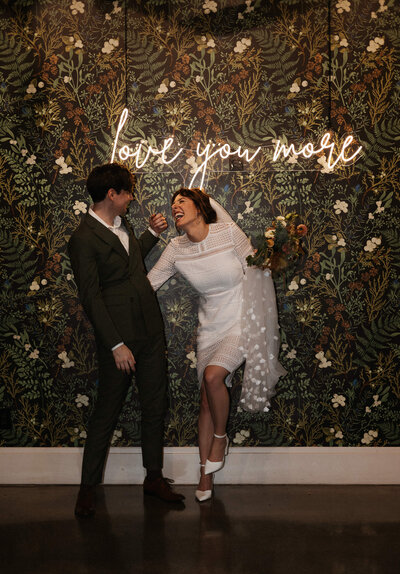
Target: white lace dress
[216,268]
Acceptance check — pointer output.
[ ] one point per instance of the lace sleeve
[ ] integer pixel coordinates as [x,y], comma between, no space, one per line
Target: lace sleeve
[242,244]
[163,269]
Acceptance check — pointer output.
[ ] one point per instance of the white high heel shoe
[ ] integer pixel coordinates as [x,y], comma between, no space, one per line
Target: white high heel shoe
[212,466]
[203,495]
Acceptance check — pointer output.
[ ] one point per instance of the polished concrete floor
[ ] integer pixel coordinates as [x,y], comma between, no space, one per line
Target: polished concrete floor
[244,529]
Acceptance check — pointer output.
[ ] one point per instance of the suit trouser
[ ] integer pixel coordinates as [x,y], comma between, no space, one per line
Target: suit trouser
[151,379]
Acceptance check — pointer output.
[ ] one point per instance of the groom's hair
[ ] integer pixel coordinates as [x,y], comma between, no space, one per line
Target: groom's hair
[107,176]
[201,200]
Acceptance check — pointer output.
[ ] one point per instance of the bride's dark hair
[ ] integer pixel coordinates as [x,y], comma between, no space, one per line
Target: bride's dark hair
[201,200]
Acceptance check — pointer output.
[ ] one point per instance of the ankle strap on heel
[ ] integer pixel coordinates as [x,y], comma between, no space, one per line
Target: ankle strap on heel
[220,435]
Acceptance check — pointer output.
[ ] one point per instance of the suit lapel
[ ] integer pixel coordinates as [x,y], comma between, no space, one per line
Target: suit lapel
[133,244]
[106,235]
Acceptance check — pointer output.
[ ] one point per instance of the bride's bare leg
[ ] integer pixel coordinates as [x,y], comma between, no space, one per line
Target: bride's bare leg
[206,431]
[218,400]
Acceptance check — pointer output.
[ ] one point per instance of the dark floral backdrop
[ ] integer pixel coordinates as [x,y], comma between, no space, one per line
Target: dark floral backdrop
[245,73]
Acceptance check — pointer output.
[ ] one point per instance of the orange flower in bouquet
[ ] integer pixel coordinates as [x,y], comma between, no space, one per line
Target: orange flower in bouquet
[281,245]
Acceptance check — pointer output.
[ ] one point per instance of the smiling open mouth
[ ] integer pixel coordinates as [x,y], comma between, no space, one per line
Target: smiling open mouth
[178,216]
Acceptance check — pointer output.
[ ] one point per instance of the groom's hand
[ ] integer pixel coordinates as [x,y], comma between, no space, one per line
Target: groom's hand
[124,359]
[158,223]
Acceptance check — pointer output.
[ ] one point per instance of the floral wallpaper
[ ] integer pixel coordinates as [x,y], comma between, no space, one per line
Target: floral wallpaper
[244,73]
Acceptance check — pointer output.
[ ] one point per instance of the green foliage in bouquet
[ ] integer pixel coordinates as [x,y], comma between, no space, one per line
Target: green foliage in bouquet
[280,246]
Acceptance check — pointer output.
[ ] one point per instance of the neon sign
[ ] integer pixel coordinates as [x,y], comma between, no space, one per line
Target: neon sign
[224,151]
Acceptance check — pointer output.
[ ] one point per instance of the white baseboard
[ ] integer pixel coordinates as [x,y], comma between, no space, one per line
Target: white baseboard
[259,465]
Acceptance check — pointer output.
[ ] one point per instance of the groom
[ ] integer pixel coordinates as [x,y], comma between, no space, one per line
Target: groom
[107,260]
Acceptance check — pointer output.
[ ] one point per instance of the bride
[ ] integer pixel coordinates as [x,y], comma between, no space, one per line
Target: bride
[237,318]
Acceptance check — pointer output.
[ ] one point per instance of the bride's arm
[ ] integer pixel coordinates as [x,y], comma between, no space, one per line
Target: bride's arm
[163,269]
[242,243]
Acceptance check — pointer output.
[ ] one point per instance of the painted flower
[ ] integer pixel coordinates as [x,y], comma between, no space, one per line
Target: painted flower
[192,357]
[79,207]
[248,209]
[377,402]
[117,434]
[340,206]
[372,244]
[294,88]
[343,6]
[324,363]
[326,168]
[65,168]
[34,354]
[241,436]
[31,89]
[163,88]
[369,437]
[210,6]
[292,354]
[293,286]
[375,44]
[76,7]
[81,400]
[242,45]
[34,286]
[338,401]
[31,160]
[67,363]
[110,45]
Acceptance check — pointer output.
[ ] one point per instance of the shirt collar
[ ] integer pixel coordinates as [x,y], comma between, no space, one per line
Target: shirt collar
[117,219]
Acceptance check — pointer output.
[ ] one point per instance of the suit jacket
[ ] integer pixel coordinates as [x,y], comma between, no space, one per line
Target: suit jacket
[113,288]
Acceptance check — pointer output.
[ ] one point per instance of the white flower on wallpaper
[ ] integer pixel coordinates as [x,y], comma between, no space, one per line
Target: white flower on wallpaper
[375,44]
[192,357]
[369,436]
[210,6]
[79,207]
[31,89]
[110,45]
[241,436]
[343,6]
[323,361]
[67,363]
[82,401]
[340,206]
[65,168]
[76,7]
[242,45]
[325,165]
[372,244]
[338,401]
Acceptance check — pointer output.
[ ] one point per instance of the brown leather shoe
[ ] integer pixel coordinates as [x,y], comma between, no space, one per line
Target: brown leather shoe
[161,488]
[86,502]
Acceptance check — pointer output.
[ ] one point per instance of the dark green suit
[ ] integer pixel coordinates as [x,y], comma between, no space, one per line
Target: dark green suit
[122,307]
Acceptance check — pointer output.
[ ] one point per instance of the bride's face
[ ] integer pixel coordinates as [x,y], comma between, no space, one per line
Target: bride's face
[184,212]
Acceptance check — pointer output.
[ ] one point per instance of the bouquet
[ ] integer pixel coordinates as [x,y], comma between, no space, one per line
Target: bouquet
[281,245]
